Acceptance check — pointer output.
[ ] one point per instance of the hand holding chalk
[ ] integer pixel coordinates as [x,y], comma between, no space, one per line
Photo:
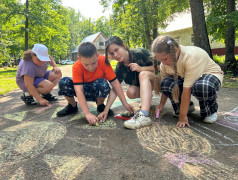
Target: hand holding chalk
[157,114]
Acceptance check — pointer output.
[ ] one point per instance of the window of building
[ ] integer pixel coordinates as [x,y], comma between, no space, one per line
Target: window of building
[101,43]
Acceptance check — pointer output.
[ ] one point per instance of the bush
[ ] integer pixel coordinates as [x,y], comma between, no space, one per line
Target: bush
[219,59]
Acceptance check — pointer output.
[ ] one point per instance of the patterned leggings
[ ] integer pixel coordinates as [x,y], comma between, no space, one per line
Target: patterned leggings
[92,90]
[204,89]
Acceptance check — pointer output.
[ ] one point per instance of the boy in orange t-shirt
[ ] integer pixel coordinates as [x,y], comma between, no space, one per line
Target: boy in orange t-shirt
[90,75]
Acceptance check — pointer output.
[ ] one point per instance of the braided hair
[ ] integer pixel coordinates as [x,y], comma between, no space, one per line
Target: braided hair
[166,44]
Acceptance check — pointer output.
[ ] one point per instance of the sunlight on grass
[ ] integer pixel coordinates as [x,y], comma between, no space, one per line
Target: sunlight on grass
[7,80]
[7,84]
[113,64]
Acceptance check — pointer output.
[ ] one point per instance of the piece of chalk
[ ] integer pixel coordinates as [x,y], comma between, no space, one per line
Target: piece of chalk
[157,114]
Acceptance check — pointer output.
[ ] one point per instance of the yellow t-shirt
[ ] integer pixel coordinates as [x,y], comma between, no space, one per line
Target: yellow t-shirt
[193,62]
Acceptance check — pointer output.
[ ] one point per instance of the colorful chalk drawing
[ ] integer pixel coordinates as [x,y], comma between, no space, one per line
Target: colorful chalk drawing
[27,140]
[184,149]
[66,167]
[16,116]
[230,120]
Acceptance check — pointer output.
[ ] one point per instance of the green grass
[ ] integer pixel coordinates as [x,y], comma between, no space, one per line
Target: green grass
[219,59]
[113,64]
[7,80]
[230,81]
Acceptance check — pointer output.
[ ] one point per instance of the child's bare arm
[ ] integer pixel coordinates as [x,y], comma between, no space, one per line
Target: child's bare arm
[117,87]
[185,101]
[91,118]
[111,98]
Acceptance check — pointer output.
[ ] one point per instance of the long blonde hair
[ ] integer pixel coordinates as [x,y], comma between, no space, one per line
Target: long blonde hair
[165,44]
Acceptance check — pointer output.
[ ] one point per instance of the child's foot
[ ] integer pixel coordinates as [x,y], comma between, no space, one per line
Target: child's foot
[139,120]
[211,119]
[28,99]
[69,109]
[49,97]
[101,108]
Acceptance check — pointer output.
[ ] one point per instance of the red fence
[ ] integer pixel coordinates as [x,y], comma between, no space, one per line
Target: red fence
[221,51]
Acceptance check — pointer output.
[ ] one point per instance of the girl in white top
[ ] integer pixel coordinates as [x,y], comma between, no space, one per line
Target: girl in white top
[186,70]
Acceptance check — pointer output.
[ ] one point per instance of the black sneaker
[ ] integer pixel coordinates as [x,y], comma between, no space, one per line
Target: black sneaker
[190,110]
[69,109]
[101,108]
[49,97]
[28,100]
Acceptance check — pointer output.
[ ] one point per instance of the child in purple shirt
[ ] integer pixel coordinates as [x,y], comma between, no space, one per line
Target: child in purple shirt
[33,78]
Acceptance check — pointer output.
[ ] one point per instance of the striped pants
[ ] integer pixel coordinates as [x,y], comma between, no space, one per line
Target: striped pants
[204,89]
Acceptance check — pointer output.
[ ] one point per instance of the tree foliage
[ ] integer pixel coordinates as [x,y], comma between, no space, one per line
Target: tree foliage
[222,21]
[59,28]
[137,22]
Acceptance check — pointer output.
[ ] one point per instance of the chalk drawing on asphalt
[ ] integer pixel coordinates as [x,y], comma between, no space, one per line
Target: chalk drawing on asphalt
[189,151]
[185,149]
[16,116]
[230,119]
[66,167]
[28,139]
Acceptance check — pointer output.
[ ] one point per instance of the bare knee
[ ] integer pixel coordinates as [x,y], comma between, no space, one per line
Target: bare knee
[55,78]
[49,88]
[46,87]
[146,75]
[133,92]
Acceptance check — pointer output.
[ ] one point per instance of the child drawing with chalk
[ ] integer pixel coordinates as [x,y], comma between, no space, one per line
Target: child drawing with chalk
[135,68]
[91,74]
[33,78]
[186,70]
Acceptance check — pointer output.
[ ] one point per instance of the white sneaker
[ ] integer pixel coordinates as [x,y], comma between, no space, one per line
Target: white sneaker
[190,110]
[211,119]
[137,121]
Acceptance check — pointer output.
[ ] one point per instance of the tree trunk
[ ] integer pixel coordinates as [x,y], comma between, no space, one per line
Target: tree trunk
[146,24]
[230,40]
[155,20]
[26,27]
[199,26]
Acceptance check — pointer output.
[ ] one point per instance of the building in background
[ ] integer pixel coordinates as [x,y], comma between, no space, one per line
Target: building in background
[180,28]
[98,39]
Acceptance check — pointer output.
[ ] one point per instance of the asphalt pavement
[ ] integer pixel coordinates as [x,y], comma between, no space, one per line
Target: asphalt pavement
[36,144]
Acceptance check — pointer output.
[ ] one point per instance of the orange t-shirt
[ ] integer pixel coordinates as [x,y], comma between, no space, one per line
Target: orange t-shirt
[81,75]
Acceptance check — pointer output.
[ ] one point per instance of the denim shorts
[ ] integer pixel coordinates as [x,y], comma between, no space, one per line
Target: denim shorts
[92,90]
[38,80]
